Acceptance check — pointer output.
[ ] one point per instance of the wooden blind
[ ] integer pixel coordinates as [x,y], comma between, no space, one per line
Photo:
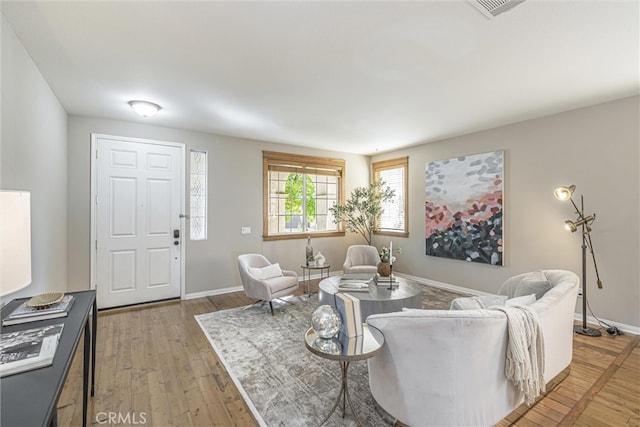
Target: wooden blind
[394,173]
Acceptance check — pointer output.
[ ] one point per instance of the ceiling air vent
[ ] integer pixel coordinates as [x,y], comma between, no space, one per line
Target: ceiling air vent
[492,8]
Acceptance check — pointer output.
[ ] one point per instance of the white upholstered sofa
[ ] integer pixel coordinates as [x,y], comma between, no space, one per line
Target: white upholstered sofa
[446,367]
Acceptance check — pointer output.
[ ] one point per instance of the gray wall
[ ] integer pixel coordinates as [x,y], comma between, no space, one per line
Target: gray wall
[595,148]
[34,158]
[235,200]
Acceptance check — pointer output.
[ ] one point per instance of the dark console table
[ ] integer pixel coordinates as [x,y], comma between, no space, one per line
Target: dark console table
[30,398]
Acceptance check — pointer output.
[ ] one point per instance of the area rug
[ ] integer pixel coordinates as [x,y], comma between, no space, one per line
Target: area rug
[283,383]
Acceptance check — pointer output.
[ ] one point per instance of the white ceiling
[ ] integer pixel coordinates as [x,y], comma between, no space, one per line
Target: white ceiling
[360,77]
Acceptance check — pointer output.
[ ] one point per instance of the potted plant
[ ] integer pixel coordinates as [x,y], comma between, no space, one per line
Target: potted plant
[362,210]
[386,257]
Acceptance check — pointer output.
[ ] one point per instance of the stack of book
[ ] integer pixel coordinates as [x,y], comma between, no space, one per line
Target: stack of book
[25,313]
[384,280]
[348,307]
[351,346]
[30,349]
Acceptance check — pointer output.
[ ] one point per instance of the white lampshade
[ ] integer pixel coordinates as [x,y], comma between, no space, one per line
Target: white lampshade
[144,108]
[15,241]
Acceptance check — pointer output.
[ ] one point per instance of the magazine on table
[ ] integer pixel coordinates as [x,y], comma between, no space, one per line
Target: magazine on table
[22,351]
[24,313]
[356,278]
[354,286]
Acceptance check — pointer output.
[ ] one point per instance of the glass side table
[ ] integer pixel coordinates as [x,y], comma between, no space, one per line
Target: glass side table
[306,274]
[345,350]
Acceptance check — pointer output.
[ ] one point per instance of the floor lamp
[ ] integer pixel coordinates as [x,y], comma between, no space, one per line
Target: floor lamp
[565,193]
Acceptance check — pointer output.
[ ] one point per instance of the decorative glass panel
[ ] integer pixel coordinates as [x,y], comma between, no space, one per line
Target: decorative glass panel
[198,195]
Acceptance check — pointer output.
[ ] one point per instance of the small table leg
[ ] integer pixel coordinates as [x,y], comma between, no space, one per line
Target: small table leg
[343,396]
[85,372]
[94,335]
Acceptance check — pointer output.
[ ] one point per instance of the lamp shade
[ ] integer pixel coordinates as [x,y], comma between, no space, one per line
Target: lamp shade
[564,193]
[144,108]
[572,226]
[15,241]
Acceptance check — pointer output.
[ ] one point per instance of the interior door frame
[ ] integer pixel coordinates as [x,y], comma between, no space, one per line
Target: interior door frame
[94,194]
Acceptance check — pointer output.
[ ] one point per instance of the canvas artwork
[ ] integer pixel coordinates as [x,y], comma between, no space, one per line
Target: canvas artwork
[463,208]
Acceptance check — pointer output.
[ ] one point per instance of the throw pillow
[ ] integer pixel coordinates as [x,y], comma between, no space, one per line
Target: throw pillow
[473,303]
[268,272]
[523,300]
[534,283]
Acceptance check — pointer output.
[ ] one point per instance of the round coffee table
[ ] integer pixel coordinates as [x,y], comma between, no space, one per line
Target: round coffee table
[378,298]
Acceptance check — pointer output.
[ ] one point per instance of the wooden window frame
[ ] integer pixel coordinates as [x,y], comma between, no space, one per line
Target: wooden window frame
[303,164]
[400,162]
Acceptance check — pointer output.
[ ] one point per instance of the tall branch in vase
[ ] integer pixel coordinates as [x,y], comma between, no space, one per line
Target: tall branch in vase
[361,212]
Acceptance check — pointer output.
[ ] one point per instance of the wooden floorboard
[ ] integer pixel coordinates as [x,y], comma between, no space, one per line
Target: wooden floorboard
[155,365]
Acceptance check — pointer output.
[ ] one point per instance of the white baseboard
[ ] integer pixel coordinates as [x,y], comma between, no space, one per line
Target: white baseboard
[630,329]
[318,276]
[212,292]
[229,290]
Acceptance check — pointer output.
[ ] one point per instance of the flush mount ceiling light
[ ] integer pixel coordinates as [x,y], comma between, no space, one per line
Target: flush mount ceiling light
[493,8]
[144,108]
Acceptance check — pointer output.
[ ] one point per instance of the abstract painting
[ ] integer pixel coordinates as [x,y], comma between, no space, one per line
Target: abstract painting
[463,208]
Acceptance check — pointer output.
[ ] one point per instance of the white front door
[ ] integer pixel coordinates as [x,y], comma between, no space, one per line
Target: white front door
[138,232]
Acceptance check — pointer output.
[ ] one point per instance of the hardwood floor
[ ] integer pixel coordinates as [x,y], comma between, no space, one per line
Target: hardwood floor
[156,368]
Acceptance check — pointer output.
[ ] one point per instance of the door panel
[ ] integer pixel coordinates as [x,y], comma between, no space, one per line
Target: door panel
[159,207]
[123,271]
[139,199]
[158,267]
[123,207]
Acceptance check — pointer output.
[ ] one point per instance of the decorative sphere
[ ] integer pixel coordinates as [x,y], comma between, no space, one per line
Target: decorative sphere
[325,321]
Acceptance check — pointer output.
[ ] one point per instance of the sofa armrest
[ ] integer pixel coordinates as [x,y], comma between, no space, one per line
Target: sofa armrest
[289,273]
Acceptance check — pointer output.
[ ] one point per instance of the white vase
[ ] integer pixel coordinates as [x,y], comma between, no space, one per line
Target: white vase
[319,259]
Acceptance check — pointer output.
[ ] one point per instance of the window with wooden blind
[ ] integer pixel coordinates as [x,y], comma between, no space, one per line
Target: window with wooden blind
[297,194]
[394,219]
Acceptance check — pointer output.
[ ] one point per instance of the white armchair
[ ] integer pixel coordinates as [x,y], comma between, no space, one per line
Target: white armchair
[265,281]
[361,259]
[446,367]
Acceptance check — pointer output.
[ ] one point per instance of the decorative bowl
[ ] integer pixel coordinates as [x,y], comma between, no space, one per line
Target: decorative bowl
[44,300]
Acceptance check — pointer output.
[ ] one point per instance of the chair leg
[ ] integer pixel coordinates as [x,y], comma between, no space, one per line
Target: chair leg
[271,305]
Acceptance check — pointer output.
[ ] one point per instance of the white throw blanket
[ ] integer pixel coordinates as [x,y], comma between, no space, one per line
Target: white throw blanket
[525,351]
